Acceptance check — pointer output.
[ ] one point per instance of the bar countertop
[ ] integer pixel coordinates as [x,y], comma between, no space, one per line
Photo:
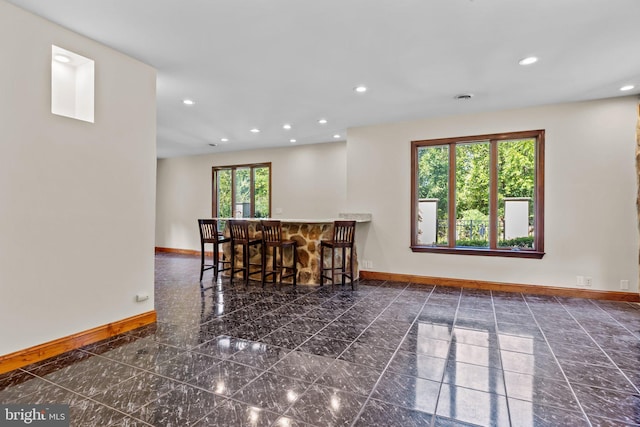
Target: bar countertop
[342,216]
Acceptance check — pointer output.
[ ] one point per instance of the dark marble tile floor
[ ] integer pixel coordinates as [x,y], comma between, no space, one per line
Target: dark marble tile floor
[385,354]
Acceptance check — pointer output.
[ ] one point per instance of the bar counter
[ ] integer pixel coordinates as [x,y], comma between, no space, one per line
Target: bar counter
[307,233]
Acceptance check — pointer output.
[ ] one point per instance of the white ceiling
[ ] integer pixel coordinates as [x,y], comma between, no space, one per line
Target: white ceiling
[263,63]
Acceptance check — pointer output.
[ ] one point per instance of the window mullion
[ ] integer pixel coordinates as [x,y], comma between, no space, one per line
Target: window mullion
[493,194]
[452,195]
[233,192]
[214,193]
[252,192]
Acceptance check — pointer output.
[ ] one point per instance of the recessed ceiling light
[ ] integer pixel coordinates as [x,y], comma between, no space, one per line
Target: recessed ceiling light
[360,89]
[62,58]
[528,60]
[188,101]
[322,121]
[464,96]
[292,141]
[224,139]
[255,130]
[286,126]
[336,136]
[626,88]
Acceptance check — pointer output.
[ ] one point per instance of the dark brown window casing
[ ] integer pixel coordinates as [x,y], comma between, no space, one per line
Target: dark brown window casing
[232,169]
[493,248]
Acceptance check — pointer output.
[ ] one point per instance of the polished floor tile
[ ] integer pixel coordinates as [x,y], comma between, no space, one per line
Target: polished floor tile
[274,392]
[384,354]
[472,406]
[325,406]
[377,413]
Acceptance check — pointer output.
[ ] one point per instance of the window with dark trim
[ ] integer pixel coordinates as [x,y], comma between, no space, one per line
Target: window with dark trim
[479,195]
[241,191]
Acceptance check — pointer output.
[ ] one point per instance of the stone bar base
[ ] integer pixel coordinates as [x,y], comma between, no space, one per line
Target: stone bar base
[307,235]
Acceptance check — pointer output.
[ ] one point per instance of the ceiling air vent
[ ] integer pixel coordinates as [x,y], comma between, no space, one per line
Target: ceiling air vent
[464,96]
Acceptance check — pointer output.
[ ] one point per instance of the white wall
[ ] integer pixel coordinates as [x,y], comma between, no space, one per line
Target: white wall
[590,191]
[308,181]
[77,199]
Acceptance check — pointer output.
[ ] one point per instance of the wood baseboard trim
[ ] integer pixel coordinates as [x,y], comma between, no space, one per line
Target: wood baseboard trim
[505,287]
[18,359]
[180,251]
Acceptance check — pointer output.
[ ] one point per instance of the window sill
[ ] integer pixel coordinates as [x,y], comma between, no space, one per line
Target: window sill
[480,251]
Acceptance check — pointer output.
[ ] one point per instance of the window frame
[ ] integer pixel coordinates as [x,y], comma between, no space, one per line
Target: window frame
[493,250]
[233,168]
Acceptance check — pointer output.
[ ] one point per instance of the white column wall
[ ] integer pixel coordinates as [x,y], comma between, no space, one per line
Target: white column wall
[77,199]
[590,191]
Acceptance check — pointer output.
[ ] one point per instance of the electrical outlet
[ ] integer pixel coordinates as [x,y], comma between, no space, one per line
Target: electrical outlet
[588,281]
[367,264]
[580,280]
[624,284]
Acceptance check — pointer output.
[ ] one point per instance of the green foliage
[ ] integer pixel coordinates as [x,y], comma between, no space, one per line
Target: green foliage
[516,178]
[478,243]
[261,184]
[518,242]
[472,177]
[224,193]
[243,185]
[516,168]
[474,215]
[433,175]
[242,181]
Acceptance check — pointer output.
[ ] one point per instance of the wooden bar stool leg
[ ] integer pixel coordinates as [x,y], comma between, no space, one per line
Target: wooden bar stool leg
[295,265]
[216,257]
[333,266]
[263,257]
[201,260]
[321,265]
[245,257]
[351,266]
[343,268]
[274,265]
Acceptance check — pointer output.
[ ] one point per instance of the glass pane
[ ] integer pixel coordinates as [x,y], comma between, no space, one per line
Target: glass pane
[516,193]
[433,195]
[261,188]
[223,181]
[242,208]
[472,194]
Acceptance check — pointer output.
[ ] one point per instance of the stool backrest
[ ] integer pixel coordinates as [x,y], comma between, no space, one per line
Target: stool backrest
[239,230]
[208,230]
[271,231]
[344,231]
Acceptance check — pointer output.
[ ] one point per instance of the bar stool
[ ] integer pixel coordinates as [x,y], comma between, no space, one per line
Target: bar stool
[209,234]
[343,238]
[272,238]
[239,231]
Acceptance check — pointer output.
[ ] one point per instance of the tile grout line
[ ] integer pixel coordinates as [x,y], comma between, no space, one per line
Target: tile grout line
[263,371]
[607,354]
[504,376]
[384,370]
[261,302]
[564,375]
[343,351]
[444,372]
[128,415]
[603,351]
[295,349]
